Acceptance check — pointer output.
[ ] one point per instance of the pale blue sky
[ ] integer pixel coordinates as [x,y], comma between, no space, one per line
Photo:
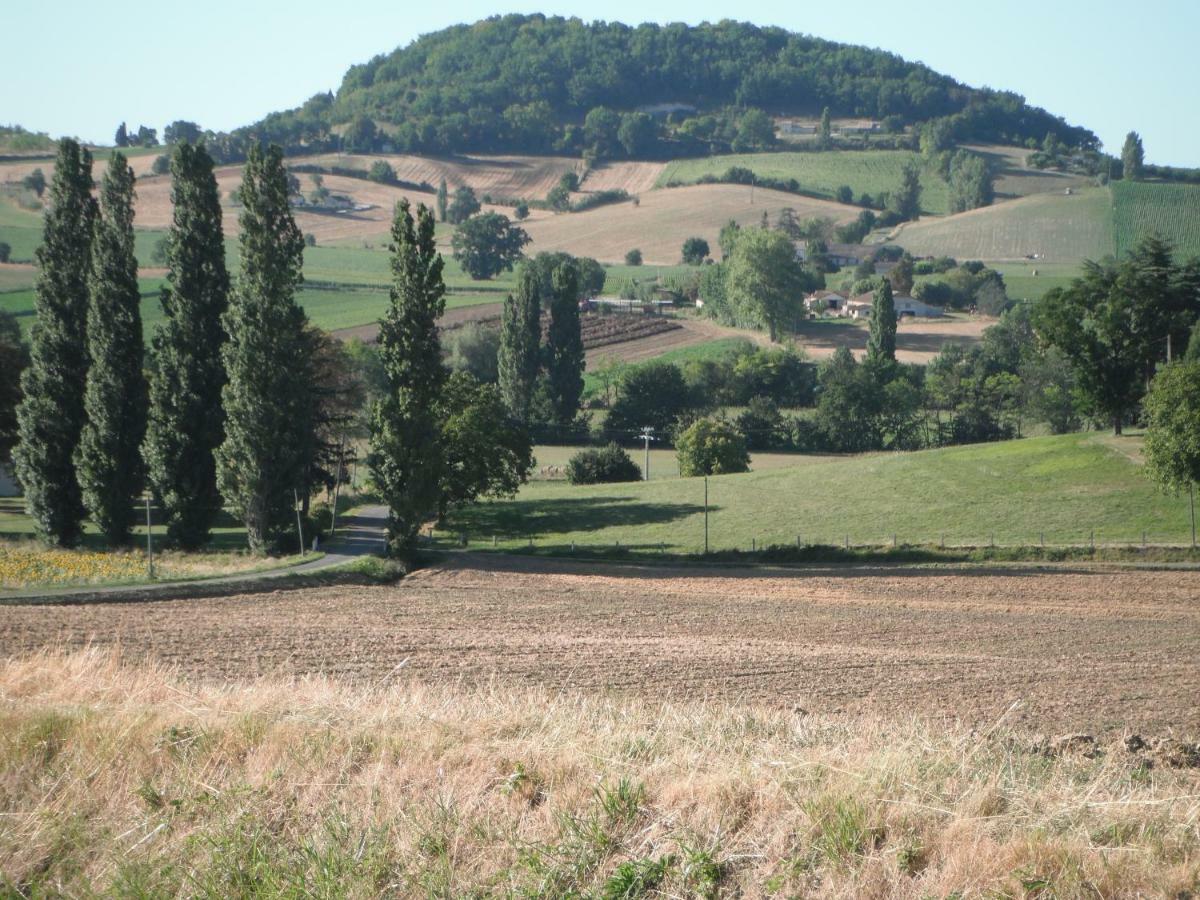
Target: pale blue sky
[80,68]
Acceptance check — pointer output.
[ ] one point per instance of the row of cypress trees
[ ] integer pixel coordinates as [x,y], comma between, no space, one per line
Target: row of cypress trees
[228,409]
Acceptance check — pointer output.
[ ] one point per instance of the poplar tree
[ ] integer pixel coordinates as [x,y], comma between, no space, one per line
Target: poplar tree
[520,337]
[564,343]
[1132,157]
[405,456]
[881,344]
[107,461]
[443,200]
[268,399]
[186,422]
[51,415]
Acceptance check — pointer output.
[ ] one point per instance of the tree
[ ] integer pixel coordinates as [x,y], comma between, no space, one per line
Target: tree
[559,198]
[600,128]
[825,132]
[521,211]
[761,424]
[695,251]
[268,401]
[905,201]
[182,132]
[607,465]
[122,137]
[971,182]
[881,344]
[485,452]
[564,343]
[755,131]
[381,172]
[5,251]
[633,257]
[405,455]
[146,137]
[443,200]
[35,181]
[186,423]
[51,415]
[488,244]
[108,460]
[360,136]
[900,276]
[591,277]
[475,349]
[637,134]
[1172,410]
[14,358]
[1132,157]
[464,205]
[845,194]
[161,165]
[520,337]
[653,395]
[728,237]
[764,280]
[711,447]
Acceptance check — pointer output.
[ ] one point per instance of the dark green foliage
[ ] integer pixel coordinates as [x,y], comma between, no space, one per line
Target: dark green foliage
[360,137]
[14,357]
[405,455]
[121,139]
[108,459]
[711,447]
[520,337]
[475,349]
[182,131]
[521,211]
[971,182]
[637,134]
[653,395]
[268,400]
[464,205]
[763,283]
[881,345]
[1173,426]
[559,198]
[905,201]
[51,413]
[488,244]
[755,131]
[633,257]
[564,343]
[901,276]
[443,200]
[485,452]
[5,251]
[1133,157]
[762,425]
[186,421]
[381,172]
[607,465]
[695,251]
[35,181]
[591,277]
[845,194]
[866,406]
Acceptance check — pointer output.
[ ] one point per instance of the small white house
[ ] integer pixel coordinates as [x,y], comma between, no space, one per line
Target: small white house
[826,303]
[860,307]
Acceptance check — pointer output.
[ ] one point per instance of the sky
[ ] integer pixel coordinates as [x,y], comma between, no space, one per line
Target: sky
[78,68]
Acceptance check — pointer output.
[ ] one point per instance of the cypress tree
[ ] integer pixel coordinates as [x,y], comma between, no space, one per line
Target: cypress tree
[186,422]
[564,344]
[520,337]
[50,417]
[443,200]
[268,399]
[107,460]
[881,344]
[405,457]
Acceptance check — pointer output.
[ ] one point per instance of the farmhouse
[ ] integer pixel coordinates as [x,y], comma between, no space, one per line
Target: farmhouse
[826,303]
[860,307]
[841,255]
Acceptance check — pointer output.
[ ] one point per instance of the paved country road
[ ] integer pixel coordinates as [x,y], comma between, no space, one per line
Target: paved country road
[359,534]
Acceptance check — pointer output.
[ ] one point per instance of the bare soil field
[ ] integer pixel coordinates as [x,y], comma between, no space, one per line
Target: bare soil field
[917,340]
[663,219]
[1095,649]
[691,331]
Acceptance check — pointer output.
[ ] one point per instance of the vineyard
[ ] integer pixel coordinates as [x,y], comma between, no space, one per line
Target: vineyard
[1171,211]
[604,329]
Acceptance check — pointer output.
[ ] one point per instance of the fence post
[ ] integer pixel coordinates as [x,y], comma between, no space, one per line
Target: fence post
[752,545]
[799,543]
[1143,539]
[495,541]
[893,540]
[943,540]
[847,542]
[1043,540]
[993,540]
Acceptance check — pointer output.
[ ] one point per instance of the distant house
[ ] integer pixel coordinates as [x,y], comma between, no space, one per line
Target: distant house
[826,303]
[863,305]
[842,255]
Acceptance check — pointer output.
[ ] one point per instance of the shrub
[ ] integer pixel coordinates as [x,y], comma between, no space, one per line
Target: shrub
[474,348]
[604,466]
[521,211]
[310,239]
[711,447]
[633,257]
[653,395]
[381,172]
[5,251]
[161,165]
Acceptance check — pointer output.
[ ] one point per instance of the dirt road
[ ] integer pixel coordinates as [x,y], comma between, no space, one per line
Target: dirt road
[1095,649]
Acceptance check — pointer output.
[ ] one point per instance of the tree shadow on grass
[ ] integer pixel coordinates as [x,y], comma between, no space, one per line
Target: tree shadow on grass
[530,518]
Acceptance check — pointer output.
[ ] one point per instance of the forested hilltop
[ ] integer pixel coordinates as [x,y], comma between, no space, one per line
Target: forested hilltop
[537,84]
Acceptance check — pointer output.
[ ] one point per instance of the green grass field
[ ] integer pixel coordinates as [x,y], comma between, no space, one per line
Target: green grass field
[593,384]
[1170,210]
[1064,486]
[865,171]
[1059,228]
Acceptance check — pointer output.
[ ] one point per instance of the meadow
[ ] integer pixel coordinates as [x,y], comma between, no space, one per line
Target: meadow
[1060,488]
[1171,211]
[866,171]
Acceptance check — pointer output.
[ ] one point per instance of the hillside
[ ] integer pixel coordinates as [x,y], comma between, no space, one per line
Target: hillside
[1170,210]
[1063,486]
[526,83]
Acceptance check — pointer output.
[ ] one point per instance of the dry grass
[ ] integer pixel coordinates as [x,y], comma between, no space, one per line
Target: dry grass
[135,782]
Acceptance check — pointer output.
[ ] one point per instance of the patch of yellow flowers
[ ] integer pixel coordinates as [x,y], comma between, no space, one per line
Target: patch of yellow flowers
[24,565]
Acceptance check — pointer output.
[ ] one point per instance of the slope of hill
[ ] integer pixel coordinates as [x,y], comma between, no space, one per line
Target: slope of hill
[1054,227]
[662,220]
[1170,210]
[1063,486]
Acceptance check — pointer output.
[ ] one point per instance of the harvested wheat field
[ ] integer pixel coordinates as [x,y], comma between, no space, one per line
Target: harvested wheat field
[633,177]
[1046,650]
[663,219]
[917,340]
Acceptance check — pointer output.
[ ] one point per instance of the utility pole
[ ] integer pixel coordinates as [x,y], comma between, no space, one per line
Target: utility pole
[337,484]
[150,539]
[299,529]
[648,436]
[706,515]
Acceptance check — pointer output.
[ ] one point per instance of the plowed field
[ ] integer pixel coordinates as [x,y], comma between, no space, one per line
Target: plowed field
[1050,649]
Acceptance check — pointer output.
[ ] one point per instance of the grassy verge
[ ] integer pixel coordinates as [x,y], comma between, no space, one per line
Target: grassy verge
[134,782]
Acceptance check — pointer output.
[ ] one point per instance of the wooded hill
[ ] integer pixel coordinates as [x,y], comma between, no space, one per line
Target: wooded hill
[537,84]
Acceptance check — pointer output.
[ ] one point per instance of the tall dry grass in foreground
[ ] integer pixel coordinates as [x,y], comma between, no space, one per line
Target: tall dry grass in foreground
[133,781]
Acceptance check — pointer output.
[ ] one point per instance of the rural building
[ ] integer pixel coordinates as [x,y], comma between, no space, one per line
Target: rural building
[826,303]
[860,307]
[842,255]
